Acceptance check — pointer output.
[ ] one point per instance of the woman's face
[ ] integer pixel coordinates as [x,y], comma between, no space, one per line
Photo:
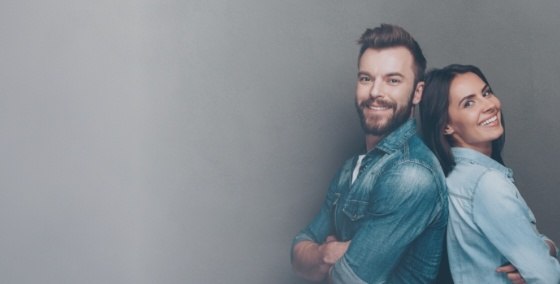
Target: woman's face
[474,114]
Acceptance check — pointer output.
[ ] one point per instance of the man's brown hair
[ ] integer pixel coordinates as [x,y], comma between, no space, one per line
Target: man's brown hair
[386,36]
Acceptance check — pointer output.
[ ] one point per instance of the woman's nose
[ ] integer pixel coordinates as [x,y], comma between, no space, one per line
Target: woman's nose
[491,105]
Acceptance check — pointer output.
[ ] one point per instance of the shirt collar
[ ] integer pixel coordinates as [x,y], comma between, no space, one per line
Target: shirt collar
[474,156]
[396,139]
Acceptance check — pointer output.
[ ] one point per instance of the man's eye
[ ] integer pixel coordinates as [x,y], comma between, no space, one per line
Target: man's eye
[394,81]
[364,78]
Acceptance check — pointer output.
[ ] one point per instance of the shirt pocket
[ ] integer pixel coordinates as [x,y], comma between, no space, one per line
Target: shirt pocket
[355,209]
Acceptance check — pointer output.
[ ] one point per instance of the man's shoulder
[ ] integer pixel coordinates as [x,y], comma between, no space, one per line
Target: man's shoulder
[416,152]
[415,164]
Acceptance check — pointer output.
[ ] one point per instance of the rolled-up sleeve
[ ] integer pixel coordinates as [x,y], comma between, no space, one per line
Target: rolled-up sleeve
[321,226]
[401,207]
[504,218]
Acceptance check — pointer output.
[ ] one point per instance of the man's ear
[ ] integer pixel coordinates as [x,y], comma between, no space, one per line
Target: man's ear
[418,93]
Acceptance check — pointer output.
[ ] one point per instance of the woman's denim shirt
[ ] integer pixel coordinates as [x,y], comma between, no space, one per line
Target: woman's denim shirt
[395,213]
[490,225]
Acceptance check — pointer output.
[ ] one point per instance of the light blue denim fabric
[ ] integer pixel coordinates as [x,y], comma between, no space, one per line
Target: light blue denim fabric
[490,224]
[395,213]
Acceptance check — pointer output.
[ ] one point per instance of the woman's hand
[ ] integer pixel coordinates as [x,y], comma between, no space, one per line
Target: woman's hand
[512,274]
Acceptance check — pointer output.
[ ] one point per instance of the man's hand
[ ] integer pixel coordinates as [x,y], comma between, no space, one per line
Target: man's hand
[332,250]
[511,273]
[313,261]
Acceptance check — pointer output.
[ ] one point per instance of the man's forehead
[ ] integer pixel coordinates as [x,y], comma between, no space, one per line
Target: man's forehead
[392,59]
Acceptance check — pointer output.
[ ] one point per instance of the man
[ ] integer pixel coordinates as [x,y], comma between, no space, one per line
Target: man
[385,213]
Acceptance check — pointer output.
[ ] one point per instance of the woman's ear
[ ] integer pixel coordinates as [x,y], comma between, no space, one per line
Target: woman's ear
[448,130]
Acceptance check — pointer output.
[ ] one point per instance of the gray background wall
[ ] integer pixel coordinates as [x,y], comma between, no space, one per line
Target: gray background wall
[188,141]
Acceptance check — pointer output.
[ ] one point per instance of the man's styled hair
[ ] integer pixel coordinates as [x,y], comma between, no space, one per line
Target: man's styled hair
[386,36]
[434,114]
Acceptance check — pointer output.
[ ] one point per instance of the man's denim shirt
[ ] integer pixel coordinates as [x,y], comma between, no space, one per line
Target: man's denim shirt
[395,213]
[490,224]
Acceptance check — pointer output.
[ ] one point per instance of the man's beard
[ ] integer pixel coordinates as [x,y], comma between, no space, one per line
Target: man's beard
[375,126]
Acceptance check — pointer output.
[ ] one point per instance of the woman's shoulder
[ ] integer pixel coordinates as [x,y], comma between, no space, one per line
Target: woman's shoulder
[468,170]
[469,177]
[493,183]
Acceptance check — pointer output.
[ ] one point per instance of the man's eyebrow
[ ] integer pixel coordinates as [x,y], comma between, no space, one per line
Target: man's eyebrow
[394,74]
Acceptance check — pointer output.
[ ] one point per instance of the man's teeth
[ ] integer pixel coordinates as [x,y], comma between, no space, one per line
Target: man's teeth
[377,107]
[490,120]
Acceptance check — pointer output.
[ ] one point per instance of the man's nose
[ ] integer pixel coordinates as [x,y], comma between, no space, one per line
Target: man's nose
[376,89]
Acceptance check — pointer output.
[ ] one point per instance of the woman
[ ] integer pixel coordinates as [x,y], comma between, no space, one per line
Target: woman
[491,234]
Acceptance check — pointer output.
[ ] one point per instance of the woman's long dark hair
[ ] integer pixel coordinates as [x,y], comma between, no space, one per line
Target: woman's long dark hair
[434,114]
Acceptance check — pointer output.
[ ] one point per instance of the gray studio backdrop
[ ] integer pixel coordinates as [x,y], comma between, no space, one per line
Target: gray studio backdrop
[188,141]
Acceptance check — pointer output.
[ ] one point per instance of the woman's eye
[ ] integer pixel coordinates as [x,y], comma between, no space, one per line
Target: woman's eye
[487,93]
[468,104]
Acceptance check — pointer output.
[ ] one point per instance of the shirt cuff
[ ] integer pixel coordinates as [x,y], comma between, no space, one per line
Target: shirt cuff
[545,238]
[343,273]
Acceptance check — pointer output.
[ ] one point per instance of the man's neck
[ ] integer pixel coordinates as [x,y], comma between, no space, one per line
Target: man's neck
[372,140]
